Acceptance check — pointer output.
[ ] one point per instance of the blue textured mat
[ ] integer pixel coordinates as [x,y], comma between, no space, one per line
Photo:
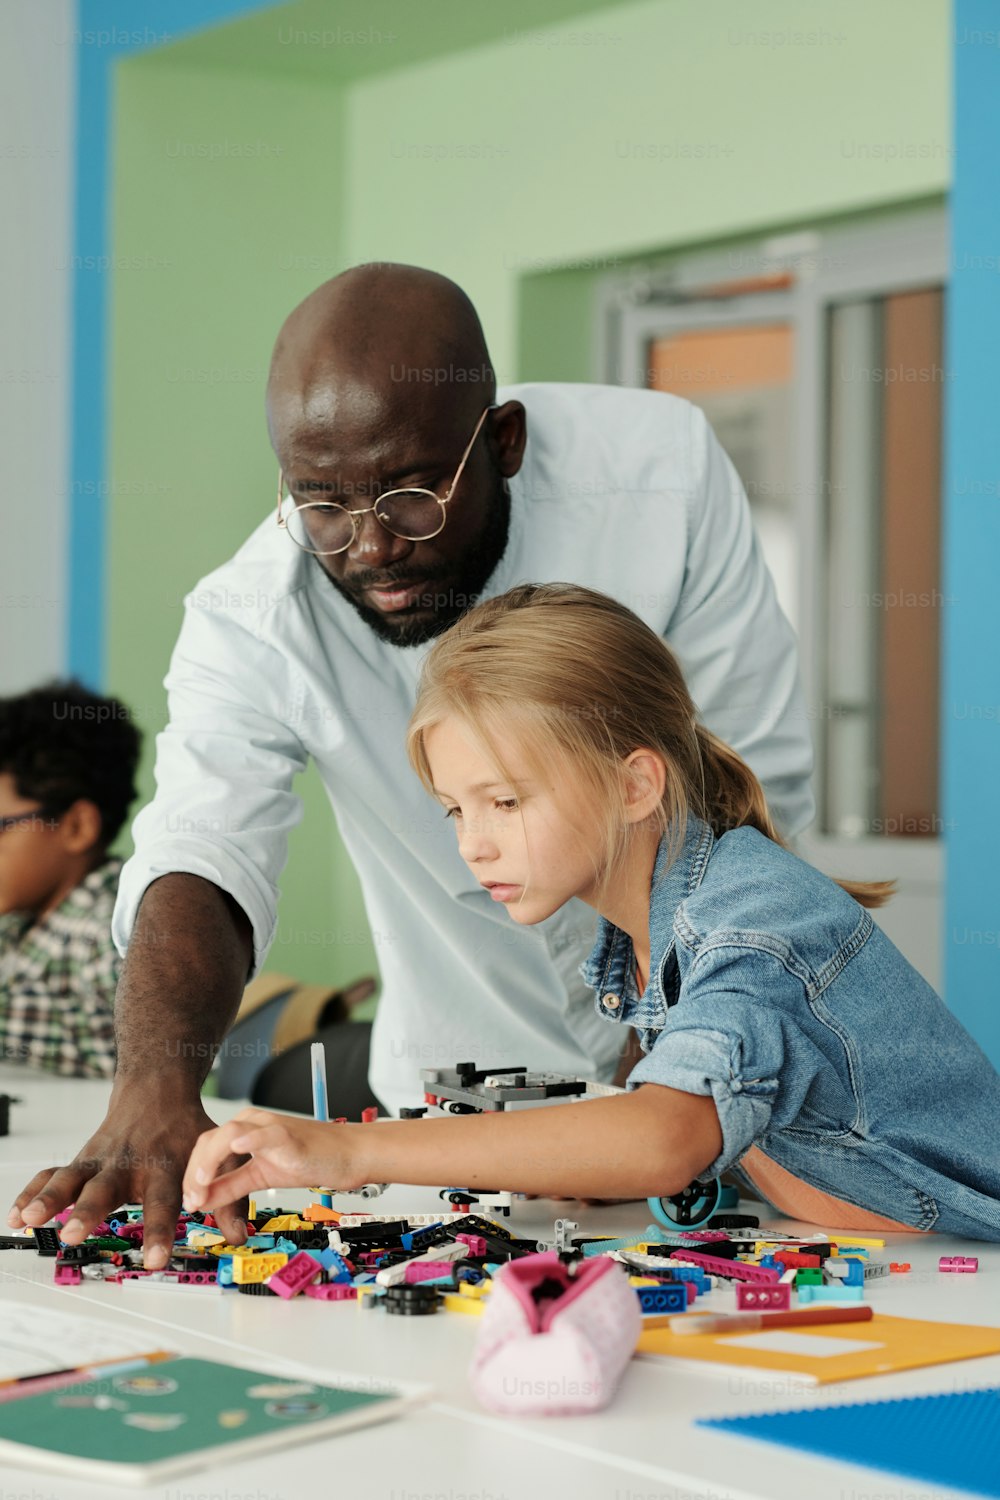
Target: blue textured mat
[949,1440]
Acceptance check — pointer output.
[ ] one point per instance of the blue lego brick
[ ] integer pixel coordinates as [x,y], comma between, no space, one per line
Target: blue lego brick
[850,1294]
[420,1236]
[662,1299]
[334,1265]
[702,1281]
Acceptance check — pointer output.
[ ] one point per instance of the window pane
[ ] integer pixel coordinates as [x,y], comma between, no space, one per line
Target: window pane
[883,599]
[741,377]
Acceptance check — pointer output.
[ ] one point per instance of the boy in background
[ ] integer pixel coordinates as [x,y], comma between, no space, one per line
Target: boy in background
[67,777]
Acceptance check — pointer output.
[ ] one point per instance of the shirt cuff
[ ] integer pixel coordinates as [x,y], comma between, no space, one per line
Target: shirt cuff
[707,1062]
[220,867]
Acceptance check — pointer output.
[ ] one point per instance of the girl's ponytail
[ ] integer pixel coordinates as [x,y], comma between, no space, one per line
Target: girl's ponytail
[734,798]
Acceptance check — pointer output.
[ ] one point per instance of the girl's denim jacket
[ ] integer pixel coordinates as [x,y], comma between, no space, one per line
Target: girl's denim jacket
[771,989]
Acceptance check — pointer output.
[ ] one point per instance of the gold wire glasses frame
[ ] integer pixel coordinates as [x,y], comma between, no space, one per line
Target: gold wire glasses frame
[405,513]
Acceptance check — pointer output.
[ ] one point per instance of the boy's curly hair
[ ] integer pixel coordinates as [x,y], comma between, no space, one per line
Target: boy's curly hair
[62,743]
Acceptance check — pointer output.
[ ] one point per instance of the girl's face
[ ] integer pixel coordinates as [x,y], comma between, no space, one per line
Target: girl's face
[533,850]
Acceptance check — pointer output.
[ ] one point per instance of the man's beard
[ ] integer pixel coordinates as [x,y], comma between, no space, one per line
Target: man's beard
[474,567]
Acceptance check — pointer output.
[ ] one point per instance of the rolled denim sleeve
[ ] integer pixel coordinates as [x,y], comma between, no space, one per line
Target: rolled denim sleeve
[225,764]
[734,1035]
[738,652]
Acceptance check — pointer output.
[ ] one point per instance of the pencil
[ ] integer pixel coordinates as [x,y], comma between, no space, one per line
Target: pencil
[317,1054]
[753,1322]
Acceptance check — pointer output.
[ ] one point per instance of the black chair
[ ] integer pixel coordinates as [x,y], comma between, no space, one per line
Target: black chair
[265,1056]
[286,1081]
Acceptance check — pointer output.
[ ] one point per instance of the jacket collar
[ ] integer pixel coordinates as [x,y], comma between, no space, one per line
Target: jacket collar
[610,969]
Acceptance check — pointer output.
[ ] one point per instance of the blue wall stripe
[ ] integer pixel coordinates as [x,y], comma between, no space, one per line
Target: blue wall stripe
[106,30]
[970,704]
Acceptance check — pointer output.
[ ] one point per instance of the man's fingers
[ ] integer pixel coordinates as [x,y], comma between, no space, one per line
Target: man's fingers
[48,1192]
[14,1218]
[99,1196]
[232,1220]
[160,1209]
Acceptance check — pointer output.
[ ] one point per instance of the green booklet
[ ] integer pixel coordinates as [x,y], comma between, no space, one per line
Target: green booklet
[141,1422]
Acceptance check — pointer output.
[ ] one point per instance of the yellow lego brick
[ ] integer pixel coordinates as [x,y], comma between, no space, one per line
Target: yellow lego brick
[475,1291]
[454,1302]
[230,1249]
[257,1267]
[205,1237]
[643,1281]
[857,1239]
[284,1221]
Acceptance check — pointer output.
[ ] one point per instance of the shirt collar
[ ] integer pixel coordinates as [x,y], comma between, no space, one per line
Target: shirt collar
[610,969]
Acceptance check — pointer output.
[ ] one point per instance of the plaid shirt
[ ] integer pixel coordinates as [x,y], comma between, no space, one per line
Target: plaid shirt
[57,982]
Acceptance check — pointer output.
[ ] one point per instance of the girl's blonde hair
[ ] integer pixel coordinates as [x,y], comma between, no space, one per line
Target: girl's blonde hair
[576,679]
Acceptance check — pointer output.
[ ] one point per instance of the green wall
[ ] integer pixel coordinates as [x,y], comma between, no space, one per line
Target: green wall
[226,213]
[248,170]
[670,131]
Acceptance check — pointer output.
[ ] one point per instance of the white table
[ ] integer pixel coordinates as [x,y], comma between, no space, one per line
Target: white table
[643,1447]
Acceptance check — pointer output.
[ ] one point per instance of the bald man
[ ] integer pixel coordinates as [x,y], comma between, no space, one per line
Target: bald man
[411,488]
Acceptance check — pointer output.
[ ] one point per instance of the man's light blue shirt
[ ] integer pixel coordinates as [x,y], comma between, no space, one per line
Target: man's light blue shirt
[621,490]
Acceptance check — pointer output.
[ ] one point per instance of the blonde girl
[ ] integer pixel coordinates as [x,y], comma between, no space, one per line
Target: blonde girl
[784,1036]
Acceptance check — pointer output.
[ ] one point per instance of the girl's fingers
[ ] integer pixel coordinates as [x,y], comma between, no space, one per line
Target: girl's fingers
[230,1187]
[270,1167]
[257,1116]
[266,1138]
[210,1151]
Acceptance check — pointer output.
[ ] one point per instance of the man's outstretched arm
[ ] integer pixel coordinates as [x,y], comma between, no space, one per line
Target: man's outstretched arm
[184,973]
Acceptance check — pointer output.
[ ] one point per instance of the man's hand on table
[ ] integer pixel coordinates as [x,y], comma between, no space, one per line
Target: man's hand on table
[137,1155]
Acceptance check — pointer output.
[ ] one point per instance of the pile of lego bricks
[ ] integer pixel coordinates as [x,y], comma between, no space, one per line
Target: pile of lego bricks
[422,1263]
[763,1268]
[408,1265]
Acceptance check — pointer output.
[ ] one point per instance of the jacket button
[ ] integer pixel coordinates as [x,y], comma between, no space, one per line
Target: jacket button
[611,1002]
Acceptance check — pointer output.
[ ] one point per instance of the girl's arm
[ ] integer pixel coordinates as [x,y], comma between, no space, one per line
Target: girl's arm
[649,1143]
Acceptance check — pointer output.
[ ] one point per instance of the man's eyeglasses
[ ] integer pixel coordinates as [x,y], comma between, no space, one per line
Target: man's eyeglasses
[325,527]
[44,817]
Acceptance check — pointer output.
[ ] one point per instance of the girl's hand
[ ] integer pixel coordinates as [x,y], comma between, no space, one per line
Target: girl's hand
[284,1151]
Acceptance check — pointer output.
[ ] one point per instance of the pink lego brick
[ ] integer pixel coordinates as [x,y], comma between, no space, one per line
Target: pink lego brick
[68,1275]
[958,1263]
[705,1234]
[142,1275]
[197,1278]
[475,1242]
[334,1291]
[733,1270]
[751,1297]
[424,1271]
[294,1276]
